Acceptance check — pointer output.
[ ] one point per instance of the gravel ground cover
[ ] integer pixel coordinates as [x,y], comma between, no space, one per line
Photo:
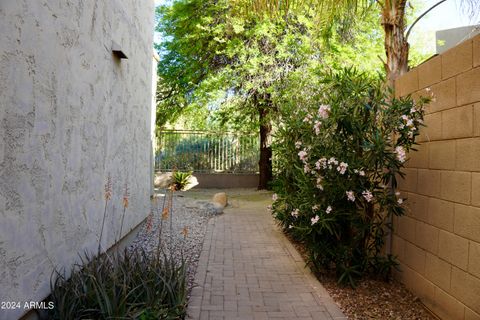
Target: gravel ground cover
[191,211]
[182,233]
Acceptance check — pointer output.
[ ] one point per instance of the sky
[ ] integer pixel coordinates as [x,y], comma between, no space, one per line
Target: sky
[447,15]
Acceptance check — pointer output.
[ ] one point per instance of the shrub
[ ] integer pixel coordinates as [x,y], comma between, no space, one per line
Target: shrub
[337,158]
[129,285]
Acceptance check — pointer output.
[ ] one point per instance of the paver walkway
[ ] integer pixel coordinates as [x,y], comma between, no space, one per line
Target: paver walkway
[249,270]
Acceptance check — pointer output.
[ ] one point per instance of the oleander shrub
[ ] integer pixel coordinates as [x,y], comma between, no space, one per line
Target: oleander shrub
[340,148]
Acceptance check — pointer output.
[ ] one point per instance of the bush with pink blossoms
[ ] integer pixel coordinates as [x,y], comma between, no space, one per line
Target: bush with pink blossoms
[336,174]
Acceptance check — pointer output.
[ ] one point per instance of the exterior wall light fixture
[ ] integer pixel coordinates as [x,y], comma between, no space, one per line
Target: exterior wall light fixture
[117,51]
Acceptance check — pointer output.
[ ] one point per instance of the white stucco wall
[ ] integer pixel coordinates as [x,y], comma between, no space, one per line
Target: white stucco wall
[70,114]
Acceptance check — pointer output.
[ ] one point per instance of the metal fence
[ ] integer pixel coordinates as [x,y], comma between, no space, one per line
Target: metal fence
[207,151]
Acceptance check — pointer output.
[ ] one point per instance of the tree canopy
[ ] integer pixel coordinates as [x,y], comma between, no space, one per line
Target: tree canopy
[213,55]
[393,21]
[227,67]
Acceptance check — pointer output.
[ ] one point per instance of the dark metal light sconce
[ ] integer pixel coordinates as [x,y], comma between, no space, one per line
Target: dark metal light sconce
[117,51]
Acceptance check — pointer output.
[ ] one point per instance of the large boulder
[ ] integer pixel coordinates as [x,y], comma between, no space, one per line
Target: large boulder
[163,180]
[220,198]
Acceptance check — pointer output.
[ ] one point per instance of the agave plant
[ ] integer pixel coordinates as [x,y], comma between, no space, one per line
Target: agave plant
[183,181]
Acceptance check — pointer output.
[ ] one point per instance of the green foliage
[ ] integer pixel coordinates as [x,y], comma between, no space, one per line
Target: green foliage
[132,285]
[341,143]
[188,153]
[323,12]
[361,45]
[213,53]
[229,64]
[213,151]
[181,179]
[190,50]
[220,66]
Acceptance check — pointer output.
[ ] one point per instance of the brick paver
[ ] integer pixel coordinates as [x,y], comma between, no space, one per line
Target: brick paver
[249,270]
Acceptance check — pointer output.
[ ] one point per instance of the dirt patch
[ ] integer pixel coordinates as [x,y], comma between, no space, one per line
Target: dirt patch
[372,299]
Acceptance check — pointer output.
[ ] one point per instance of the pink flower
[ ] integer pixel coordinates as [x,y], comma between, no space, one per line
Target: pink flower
[367,195]
[316,127]
[302,155]
[350,196]
[298,144]
[321,163]
[290,227]
[329,209]
[308,118]
[400,201]
[342,168]
[315,220]
[401,154]
[274,197]
[306,168]
[319,183]
[324,111]
[295,213]
[332,160]
[315,207]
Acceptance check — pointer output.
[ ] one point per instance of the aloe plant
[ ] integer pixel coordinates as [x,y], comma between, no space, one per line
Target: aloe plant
[128,285]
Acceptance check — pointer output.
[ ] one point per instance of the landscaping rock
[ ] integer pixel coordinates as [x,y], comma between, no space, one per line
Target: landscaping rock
[214,208]
[162,180]
[221,199]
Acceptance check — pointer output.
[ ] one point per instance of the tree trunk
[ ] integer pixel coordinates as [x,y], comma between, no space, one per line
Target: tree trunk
[396,45]
[396,49]
[265,163]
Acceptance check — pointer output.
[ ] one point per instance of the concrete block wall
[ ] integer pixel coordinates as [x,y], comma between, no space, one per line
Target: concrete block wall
[70,115]
[438,241]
